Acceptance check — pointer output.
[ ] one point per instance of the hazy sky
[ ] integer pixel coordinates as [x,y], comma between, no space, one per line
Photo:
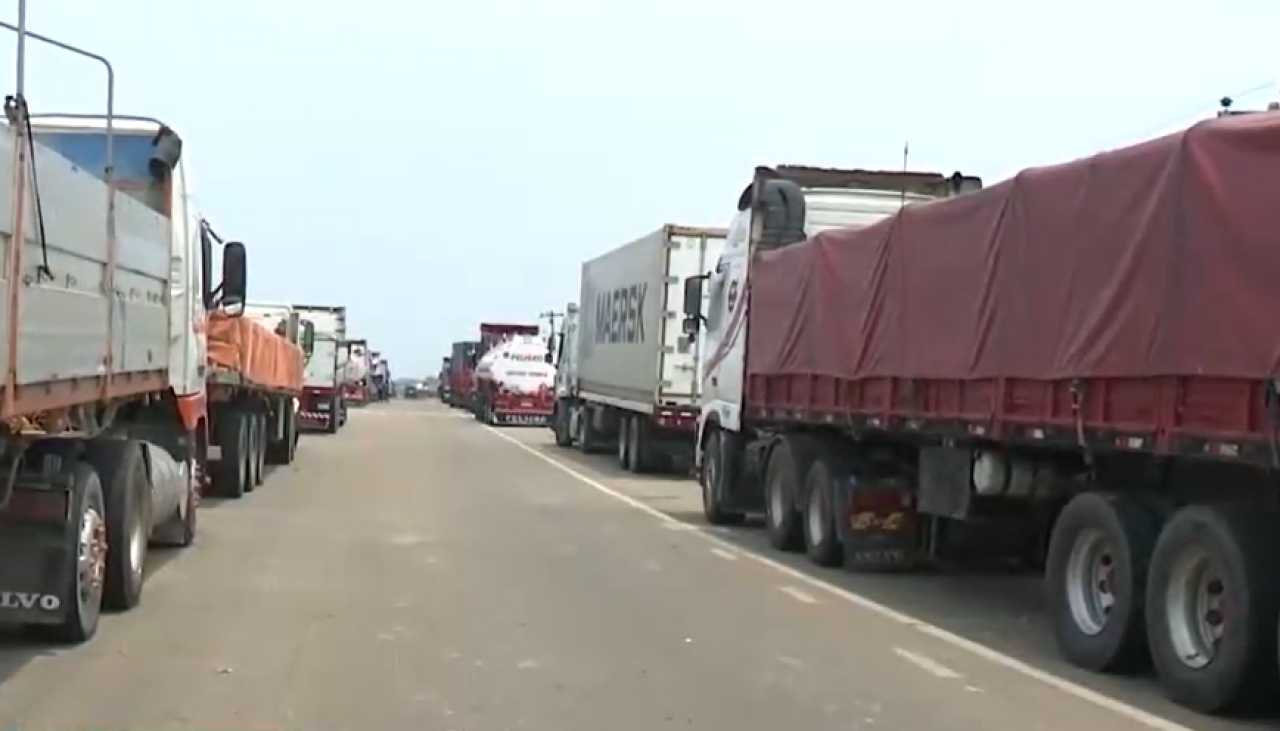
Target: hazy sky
[433,164]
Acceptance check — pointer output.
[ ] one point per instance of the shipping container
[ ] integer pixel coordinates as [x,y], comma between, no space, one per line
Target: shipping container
[634,375]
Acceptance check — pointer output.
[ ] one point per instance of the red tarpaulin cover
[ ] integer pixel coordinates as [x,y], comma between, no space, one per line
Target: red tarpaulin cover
[1161,259]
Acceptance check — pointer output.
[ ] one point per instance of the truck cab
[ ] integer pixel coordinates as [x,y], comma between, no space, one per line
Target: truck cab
[830,199]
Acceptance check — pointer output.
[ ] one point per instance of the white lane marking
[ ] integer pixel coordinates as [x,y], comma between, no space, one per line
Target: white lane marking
[726,555]
[1118,707]
[927,664]
[679,525]
[799,595]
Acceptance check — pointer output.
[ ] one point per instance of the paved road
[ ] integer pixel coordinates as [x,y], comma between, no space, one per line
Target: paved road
[419,571]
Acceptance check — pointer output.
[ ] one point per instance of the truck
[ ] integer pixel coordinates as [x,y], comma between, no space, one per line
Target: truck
[462,364]
[111,307]
[634,382]
[355,373]
[380,383]
[478,396]
[322,406]
[516,381]
[443,389]
[1073,370]
[256,359]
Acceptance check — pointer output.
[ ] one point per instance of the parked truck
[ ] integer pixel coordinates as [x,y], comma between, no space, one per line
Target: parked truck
[491,334]
[255,376]
[1076,368]
[111,308]
[322,406]
[462,365]
[516,382]
[381,385]
[633,384]
[444,391]
[355,373]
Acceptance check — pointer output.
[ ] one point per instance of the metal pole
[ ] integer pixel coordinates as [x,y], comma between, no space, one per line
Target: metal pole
[22,48]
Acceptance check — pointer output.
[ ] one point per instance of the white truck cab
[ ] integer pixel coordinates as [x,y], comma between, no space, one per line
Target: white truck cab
[832,199]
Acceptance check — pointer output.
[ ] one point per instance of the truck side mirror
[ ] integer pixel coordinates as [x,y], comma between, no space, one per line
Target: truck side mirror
[233,276]
[308,337]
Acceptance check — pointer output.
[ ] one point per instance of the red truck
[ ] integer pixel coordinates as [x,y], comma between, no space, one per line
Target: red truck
[481,395]
[1077,368]
[462,365]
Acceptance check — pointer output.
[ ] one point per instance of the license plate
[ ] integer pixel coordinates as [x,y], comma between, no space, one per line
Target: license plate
[526,404]
[322,407]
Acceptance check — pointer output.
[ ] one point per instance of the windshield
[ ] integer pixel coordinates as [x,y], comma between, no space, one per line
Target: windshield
[131,153]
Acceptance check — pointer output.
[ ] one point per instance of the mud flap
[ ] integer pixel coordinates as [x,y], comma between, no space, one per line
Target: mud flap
[37,540]
[878,525]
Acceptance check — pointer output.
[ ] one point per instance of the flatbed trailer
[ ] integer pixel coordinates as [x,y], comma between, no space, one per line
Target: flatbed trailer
[1075,370]
[105,401]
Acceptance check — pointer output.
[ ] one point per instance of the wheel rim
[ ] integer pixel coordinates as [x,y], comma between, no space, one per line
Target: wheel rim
[1090,578]
[1195,609]
[817,519]
[91,560]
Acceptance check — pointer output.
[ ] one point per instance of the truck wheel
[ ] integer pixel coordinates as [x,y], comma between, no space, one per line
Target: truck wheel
[88,574]
[560,426]
[1212,602]
[783,475]
[1095,579]
[233,438]
[719,471]
[179,531]
[589,439]
[624,442]
[821,536]
[639,459]
[251,451]
[260,454]
[123,474]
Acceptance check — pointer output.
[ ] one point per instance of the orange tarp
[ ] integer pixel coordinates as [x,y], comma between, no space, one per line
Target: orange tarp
[258,354]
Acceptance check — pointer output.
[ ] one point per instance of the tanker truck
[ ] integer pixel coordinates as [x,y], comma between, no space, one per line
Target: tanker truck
[515,382]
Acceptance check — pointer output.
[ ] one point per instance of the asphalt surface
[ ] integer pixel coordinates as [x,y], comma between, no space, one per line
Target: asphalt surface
[421,572]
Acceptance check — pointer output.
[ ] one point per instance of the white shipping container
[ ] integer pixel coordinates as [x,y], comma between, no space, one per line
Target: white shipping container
[632,352]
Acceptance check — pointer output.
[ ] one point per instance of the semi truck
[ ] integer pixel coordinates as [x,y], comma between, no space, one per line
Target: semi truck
[443,389]
[1075,369]
[380,382]
[478,396]
[108,413]
[321,405]
[256,367]
[634,381]
[462,365]
[516,381]
[355,373]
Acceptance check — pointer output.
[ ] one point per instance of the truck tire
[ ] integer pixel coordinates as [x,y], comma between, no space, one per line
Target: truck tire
[233,465]
[179,531]
[639,450]
[588,438]
[83,599]
[718,472]
[122,471]
[625,426]
[560,425]
[1213,573]
[257,448]
[1095,580]
[821,534]
[788,464]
